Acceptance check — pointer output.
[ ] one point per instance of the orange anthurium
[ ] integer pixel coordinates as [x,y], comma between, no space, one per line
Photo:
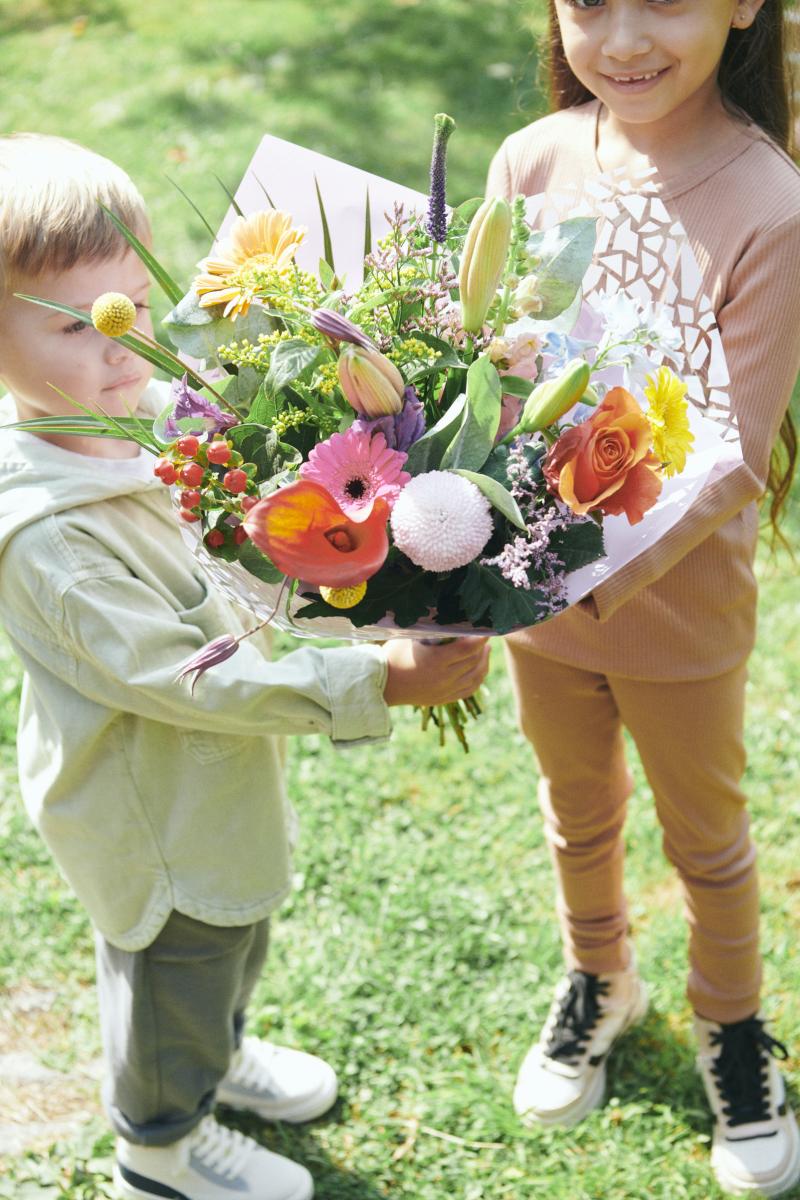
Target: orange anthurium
[304,532]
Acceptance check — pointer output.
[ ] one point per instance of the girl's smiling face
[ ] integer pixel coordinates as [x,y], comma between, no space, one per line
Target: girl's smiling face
[645,59]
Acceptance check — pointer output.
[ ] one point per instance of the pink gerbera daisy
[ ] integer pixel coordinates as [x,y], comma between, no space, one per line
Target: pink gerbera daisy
[356,468]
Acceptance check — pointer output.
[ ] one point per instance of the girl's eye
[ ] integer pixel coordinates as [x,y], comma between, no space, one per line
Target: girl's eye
[76,327]
[584,4]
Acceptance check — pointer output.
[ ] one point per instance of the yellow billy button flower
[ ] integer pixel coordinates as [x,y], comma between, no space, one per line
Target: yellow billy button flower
[113,314]
[343,597]
[549,401]
[370,382]
[483,260]
[668,417]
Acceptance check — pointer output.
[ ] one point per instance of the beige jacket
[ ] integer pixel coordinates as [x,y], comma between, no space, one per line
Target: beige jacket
[151,799]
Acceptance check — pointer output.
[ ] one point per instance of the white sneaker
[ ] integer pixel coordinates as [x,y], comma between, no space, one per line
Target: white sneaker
[756,1146]
[278,1084]
[563,1076]
[212,1163]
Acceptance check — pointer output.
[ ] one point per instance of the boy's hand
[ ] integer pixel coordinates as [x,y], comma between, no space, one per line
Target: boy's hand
[439,674]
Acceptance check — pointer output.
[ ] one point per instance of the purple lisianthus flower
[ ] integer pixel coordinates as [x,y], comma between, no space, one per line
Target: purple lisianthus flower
[339,328]
[401,429]
[189,405]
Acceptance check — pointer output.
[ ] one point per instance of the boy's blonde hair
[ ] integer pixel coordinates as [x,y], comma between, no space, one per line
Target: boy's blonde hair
[51,190]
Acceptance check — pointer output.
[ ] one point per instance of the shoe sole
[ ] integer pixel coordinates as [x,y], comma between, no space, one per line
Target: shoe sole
[305,1110]
[594,1095]
[775,1187]
[126,1191]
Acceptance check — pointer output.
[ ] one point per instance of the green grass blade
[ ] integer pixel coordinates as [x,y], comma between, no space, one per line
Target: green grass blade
[270,201]
[230,196]
[367,228]
[326,233]
[191,203]
[162,278]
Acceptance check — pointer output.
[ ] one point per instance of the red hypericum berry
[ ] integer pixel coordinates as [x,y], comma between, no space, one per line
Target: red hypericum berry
[188,515]
[240,535]
[190,498]
[214,538]
[235,480]
[165,471]
[219,453]
[249,502]
[188,445]
[192,474]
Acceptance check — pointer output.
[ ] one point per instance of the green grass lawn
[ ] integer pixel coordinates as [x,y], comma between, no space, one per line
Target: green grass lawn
[418,951]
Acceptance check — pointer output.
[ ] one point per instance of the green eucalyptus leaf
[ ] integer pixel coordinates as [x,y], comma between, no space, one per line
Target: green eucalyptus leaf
[199,331]
[288,360]
[564,253]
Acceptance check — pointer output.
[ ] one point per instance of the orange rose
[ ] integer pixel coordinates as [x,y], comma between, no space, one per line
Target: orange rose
[607,462]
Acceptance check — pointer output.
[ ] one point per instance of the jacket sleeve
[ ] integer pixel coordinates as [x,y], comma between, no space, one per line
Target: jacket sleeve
[127,644]
[759,324]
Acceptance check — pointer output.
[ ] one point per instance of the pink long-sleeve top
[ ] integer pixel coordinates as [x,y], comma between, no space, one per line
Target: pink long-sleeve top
[686,607]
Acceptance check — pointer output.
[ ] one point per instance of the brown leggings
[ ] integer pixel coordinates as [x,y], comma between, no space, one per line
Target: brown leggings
[690,740]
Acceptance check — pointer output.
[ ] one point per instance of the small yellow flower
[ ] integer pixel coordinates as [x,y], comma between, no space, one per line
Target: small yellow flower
[113,314]
[668,416]
[267,239]
[344,597]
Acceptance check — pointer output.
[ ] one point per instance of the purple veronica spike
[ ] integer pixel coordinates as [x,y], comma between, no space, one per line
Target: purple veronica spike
[339,328]
[436,222]
[190,404]
[401,429]
[210,656]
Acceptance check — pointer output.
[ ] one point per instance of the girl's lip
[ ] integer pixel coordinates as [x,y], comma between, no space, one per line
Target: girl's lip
[635,81]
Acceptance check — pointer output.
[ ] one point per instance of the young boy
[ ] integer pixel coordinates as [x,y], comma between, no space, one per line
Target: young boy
[165,812]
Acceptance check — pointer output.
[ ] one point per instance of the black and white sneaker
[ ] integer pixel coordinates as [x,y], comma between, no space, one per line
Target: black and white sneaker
[211,1163]
[563,1075]
[756,1146]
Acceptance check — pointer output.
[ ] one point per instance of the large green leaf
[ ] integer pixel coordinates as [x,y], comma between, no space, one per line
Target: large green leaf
[258,564]
[564,254]
[496,494]
[426,454]
[578,545]
[398,588]
[472,444]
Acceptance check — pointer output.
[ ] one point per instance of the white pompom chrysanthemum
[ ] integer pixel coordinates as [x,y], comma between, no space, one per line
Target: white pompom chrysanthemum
[441,521]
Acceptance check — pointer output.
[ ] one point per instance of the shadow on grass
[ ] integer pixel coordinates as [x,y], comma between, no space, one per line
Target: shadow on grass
[297,1142]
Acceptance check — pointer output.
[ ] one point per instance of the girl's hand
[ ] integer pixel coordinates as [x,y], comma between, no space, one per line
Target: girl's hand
[424,675]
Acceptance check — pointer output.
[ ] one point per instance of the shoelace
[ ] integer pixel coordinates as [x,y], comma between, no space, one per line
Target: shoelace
[576,1017]
[249,1069]
[741,1069]
[222,1150]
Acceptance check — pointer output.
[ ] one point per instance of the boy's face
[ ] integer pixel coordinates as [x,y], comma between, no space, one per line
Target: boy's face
[40,347]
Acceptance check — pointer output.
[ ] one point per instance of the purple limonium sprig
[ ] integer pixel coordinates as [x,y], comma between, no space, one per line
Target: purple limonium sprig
[401,429]
[191,406]
[339,328]
[436,222]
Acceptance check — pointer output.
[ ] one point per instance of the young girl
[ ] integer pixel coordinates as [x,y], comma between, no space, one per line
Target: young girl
[697,89]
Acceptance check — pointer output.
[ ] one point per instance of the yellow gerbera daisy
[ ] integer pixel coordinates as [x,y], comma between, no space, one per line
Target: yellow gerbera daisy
[267,239]
[668,416]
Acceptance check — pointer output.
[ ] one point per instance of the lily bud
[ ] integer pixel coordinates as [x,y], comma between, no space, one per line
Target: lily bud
[551,400]
[483,259]
[370,382]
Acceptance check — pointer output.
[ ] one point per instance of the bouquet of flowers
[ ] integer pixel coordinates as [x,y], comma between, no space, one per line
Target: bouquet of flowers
[434,450]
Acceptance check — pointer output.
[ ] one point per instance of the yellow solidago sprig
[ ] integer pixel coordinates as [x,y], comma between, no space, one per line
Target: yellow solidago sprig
[668,417]
[113,314]
[266,241]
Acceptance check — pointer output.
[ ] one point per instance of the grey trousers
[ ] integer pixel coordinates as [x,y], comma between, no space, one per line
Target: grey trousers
[171,1016]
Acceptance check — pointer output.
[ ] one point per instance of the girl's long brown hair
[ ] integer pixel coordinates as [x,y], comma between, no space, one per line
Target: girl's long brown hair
[753,78]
